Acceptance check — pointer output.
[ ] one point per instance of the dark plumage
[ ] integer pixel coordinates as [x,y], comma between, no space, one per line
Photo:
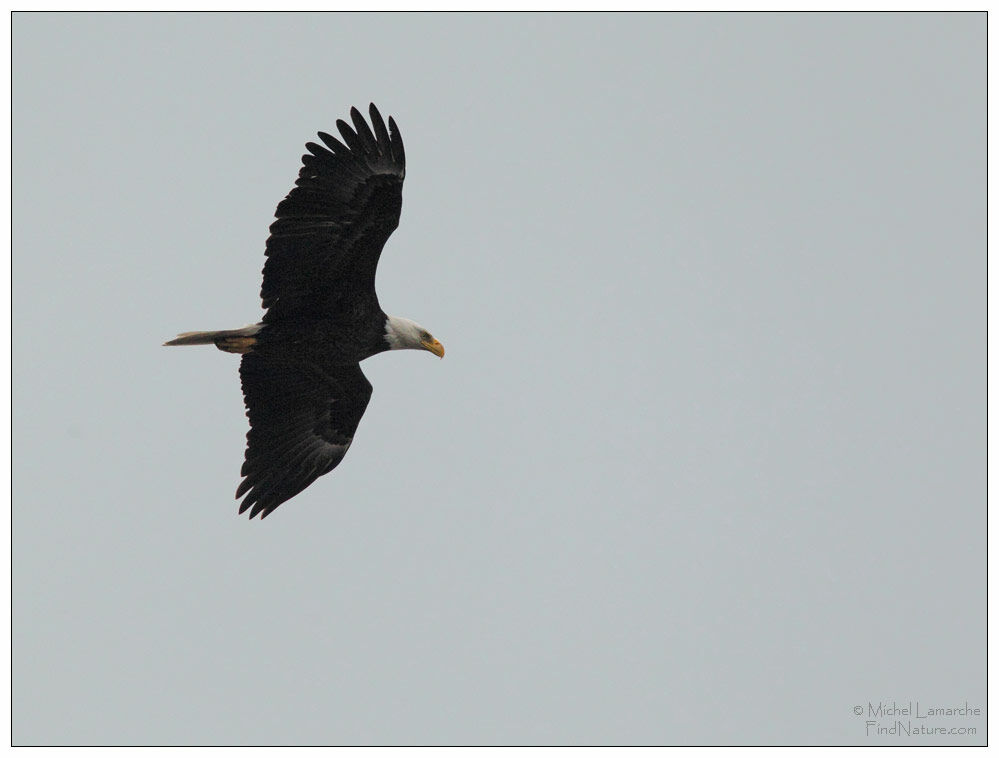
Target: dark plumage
[331,227]
[302,385]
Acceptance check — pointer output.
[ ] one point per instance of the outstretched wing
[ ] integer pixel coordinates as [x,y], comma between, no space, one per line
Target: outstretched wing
[330,229]
[302,420]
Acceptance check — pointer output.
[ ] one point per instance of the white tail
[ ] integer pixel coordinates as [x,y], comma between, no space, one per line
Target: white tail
[230,340]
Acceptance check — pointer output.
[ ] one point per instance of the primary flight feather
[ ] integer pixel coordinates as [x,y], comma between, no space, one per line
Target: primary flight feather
[302,383]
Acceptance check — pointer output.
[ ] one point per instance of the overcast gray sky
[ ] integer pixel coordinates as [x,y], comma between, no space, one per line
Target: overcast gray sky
[705,462]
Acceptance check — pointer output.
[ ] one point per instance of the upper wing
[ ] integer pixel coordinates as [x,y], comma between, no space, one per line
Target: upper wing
[302,420]
[331,228]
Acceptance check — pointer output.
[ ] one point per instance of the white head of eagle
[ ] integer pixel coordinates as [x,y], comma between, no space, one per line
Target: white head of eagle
[405,334]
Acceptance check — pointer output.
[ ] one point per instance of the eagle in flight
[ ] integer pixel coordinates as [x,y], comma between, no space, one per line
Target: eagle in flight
[302,383]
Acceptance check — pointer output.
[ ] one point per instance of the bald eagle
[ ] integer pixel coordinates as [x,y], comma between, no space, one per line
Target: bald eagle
[303,386]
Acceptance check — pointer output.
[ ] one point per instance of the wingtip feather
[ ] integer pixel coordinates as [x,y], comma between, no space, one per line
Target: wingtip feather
[364,131]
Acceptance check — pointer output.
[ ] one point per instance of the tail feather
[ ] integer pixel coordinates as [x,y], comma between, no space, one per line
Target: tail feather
[194,338]
[230,340]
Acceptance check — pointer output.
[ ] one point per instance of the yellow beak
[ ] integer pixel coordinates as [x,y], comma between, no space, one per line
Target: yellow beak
[434,347]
